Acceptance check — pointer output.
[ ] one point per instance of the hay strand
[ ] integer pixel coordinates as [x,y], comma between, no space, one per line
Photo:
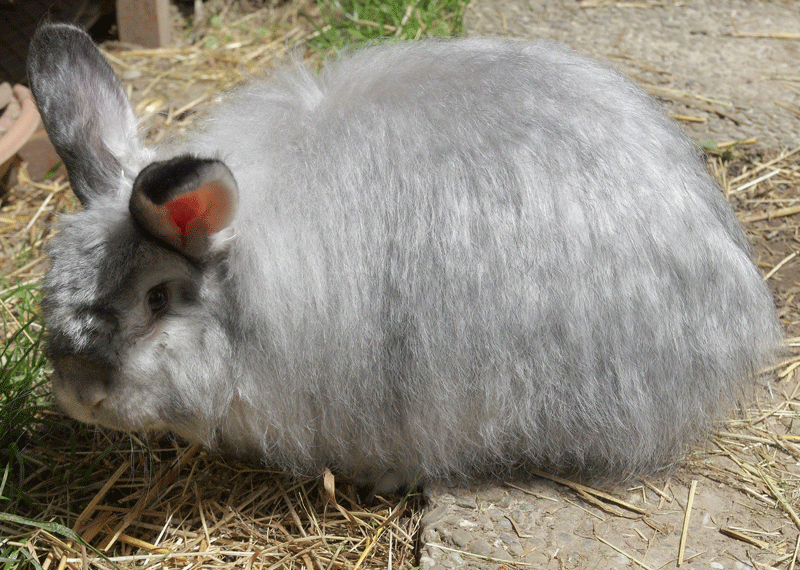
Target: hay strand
[590,491]
[636,561]
[686,516]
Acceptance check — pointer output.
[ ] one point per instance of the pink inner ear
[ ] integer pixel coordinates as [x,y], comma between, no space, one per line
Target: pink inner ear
[197,214]
[183,211]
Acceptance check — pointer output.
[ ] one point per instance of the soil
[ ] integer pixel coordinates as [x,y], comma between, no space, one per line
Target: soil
[703,50]
[729,71]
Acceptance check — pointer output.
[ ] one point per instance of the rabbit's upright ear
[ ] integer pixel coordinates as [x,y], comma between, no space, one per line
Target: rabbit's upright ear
[84,109]
[184,201]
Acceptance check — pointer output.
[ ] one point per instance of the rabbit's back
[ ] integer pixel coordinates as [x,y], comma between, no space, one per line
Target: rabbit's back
[478,253]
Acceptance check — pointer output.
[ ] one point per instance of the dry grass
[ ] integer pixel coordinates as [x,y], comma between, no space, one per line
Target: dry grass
[164,506]
[159,505]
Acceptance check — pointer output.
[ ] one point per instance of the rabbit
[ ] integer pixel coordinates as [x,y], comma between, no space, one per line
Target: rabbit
[431,260]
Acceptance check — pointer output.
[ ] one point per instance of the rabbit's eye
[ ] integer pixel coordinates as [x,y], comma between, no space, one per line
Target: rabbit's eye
[157,299]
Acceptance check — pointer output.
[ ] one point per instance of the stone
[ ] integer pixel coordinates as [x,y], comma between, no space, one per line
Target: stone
[467,502]
[461,538]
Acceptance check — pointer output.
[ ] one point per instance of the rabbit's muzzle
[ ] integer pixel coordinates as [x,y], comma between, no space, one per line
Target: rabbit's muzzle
[81,386]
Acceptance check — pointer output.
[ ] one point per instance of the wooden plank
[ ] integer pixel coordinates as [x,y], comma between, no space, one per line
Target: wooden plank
[144,22]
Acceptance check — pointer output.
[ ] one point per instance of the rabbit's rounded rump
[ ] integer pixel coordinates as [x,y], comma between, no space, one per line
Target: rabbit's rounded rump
[432,259]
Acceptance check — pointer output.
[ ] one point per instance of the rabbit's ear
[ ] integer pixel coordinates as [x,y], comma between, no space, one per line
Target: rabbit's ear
[84,109]
[184,201]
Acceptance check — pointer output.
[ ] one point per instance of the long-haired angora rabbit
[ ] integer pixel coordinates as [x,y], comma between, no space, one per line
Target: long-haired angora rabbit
[437,259]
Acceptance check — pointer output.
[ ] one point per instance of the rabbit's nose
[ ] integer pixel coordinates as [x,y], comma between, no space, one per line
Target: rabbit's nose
[80,386]
[86,377]
[92,396]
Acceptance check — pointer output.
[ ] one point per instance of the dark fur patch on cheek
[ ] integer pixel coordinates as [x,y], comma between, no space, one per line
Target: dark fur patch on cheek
[177,412]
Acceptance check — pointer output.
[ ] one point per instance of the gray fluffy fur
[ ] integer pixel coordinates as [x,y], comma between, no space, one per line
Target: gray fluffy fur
[450,258]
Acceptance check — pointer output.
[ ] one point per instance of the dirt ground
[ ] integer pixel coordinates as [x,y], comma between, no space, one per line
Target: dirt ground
[735,64]
[729,71]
